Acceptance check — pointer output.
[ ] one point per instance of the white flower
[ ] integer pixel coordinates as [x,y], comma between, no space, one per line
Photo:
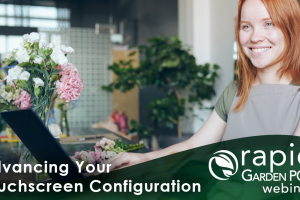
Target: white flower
[8,96]
[26,37]
[2,91]
[108,154]
[13,74]
[50,46]
[7,56]
[32,38]
[85,156]
[55,130]
[22,55]
[59,58]
[43,44]
[66,50]
[24,76]
[38,60]
[38,82]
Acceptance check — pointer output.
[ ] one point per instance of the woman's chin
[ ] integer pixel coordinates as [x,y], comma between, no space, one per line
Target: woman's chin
[259,65]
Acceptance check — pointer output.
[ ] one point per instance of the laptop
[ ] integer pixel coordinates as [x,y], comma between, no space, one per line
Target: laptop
[40,142]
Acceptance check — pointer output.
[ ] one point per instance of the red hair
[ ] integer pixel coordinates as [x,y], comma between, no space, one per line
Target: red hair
[285,14]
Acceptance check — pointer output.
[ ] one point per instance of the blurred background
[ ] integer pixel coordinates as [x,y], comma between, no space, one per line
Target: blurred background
[141,94]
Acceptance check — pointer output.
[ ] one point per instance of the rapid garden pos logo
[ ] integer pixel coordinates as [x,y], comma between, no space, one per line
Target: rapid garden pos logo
[227,161]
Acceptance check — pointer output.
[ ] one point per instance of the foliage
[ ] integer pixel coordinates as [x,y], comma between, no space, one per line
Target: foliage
[128,147]
[172,69]
[142,131]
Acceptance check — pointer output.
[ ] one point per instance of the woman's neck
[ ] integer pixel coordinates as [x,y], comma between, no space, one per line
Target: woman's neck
[269,75]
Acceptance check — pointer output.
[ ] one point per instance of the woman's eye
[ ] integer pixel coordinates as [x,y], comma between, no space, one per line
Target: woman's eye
[246,27]
[269,24]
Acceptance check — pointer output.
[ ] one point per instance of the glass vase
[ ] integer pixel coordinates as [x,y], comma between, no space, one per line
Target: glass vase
[27,158]
[64,124]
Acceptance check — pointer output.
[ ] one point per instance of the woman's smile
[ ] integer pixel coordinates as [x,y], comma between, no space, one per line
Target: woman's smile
[259,51]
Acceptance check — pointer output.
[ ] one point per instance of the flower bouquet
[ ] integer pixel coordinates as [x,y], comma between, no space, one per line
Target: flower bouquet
[103,150]
[39,73]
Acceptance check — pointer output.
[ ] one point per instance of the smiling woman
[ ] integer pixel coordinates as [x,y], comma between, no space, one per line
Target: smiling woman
[261,41]
[265,99]
[268,39]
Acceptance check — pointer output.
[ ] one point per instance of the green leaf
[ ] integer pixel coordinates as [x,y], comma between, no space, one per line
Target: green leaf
[24,84]
[132,53]
[170,125]
[46,81]
[42,54]
[48,63]
[38,70]
[216,67]
[53,65]
[25,64]
[48,52]
[3,107]
[55,72]
[39,104]
[36,45]
[170,63]
[46,73]
[32,57]
[133,123]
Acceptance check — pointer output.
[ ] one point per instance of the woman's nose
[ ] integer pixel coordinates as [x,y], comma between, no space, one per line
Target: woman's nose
[257,36]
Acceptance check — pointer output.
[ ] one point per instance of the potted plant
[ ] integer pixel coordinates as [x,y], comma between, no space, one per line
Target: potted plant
[171,68]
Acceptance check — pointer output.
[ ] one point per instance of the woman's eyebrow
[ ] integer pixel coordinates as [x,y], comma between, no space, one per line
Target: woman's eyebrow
[245,22]
[265,19]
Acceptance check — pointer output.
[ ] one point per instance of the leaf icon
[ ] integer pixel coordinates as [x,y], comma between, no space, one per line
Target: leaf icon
[224,161]
[227,173]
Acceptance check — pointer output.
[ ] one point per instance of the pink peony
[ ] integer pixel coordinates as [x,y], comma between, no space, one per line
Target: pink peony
[23,101]
[70,85]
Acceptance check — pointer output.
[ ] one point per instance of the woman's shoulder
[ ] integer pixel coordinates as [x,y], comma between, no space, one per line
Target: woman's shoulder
[224,103]
[231,89]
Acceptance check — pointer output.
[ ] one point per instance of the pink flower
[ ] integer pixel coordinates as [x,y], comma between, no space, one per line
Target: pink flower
[70,85]
[77,155]
[97,149]
[85,156]
[23,101]
[96,156]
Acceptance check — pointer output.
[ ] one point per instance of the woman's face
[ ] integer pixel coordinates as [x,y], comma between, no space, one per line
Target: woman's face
[261,40]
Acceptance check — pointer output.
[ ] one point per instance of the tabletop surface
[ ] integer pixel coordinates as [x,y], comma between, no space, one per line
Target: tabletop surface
[10,154]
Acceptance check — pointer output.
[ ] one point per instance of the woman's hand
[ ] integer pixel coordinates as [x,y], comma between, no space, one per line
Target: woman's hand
[123,160]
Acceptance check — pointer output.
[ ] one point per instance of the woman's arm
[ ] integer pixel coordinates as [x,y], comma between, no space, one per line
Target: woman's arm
[211,132]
